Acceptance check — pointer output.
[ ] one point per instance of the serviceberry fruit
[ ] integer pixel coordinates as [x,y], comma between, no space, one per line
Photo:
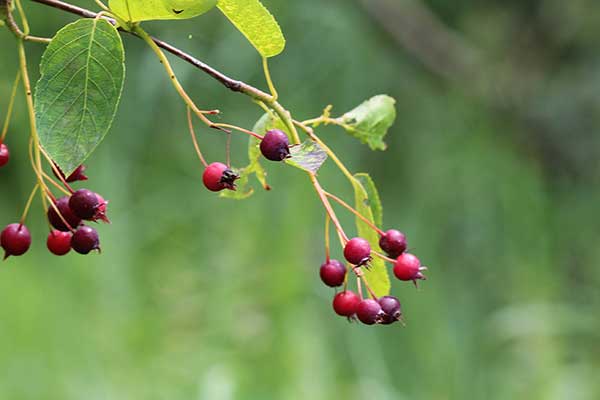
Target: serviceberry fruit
[333,273]
[219,176]
[15,239]
[275,146]
[393,242]
[77,175]
[390,306]
[62,205]
[84,203]
[85,239]
[357,251]
[408,268]
[345,303]
[4,154]
[59,243]
[369,312]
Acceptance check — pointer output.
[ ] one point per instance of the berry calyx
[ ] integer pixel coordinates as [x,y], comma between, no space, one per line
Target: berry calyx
[15,239]
[391,308]
[4,155]
[393,242]
[101,210]
[84,203]
[275,146]
[77,175]
[219,176]
[59,243]
[408,268]
[357,251]
[333,273]
[369,312]
[85,239]
[62,205]
[345,303]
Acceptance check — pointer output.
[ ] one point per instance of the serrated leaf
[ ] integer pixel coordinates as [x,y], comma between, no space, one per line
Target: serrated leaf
[146,10]
[374,201]
[377,275]
[76,97]
[309,156]
[371,121]
[256,23]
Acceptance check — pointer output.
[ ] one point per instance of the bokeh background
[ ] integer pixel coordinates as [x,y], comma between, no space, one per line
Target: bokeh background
[492,171]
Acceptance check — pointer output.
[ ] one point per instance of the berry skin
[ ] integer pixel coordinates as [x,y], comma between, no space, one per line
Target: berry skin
[4,155]
[85,239]
[84,203]
[333,273]
[77,175]
[393,243]
[357,251]
[369,312]
[391,309]
[59,243]
[345,303]
[219,176]
[15,239]
[62,205]
[275,146]
[408,268]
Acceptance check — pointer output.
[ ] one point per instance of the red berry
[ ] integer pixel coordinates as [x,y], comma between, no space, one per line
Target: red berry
[77,175]
[275,146]
[15,240]
[4,154]
[369,312]
[62,205]
[391,309]
[357,251]
[85,239]
[333,273]
[84,203]
[393,243]
[219,176]
[345,303]
[408,268]
[59,243]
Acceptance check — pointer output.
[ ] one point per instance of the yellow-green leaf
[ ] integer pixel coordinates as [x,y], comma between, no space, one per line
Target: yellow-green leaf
[146,10]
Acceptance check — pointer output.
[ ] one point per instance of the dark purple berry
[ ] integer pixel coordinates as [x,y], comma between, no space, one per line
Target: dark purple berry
[84,203]
[4,155]
[391,309]
[357,251]
[345,303]
[77,175]
[59,243]
[15,240]
[393,242]
[369,312]
[333,273]
[408,268]
[85,239]
[62,205]
[219,176]
[275,146]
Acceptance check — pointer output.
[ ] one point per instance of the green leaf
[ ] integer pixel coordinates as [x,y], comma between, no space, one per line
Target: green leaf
[374,201]
[243,190]
[76,97]
[309,156]
[146,10]
[371,121]
[256,23]
[369,206]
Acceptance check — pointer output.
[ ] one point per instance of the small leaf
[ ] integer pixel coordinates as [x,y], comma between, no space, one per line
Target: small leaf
[309,156]
[256,23]
[76,97]
[374,201]
[146,10]
[371,121]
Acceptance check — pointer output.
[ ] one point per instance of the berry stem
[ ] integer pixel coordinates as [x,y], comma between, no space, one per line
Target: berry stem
[272,89]
[11,104]
[355,212]
[56,171]
[55,184]
[237,128]
[327,249]
[28,204]
[383,257]
[328,208]
[194,139]
[228,150]
[359,287]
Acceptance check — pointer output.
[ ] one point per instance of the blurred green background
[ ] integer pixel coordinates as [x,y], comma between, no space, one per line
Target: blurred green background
[492,171]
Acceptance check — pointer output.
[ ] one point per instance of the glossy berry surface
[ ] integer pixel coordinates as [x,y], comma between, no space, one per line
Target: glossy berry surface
[357,251]
[15,239]
[84,203]
[77,175]
[4,155]
[218,176]
[275,146]
[408,268]
[59,243]
[393,243]
[369,312]
[391,308]
[62,205]
[85,239]
[345,303]
[333,273]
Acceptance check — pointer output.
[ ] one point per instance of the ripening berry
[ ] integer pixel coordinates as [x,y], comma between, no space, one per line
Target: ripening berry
[345,303]
[84,203]
[393,242]
[275,146]
[219,176]
[15,239]
[357,251]
[59,243]
[408,268]
[4,155]
[333,273]
[369,312]
[85,239]
[62,205]
[391,309]
[77,175]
